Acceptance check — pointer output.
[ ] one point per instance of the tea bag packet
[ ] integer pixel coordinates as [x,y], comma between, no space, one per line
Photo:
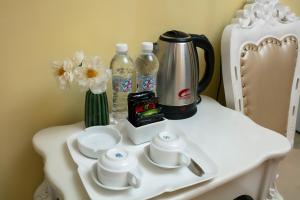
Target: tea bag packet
[143,108]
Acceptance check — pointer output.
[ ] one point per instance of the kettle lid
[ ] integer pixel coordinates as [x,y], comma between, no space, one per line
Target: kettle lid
[175,36]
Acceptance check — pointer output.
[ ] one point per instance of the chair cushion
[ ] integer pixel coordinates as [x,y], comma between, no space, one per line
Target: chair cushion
[267,72]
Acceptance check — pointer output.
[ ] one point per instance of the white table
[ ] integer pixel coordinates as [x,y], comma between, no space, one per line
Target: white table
[247,156]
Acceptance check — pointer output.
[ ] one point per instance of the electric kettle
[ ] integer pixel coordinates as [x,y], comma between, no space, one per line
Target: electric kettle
[178,85]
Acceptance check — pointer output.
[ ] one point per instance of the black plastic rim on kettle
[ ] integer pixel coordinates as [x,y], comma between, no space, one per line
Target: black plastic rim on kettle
[175,36]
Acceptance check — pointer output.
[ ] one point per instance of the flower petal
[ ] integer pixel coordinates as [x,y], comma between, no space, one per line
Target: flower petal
[78,57]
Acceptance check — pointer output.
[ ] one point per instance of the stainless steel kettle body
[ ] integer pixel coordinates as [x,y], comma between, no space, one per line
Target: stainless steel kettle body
[178,85]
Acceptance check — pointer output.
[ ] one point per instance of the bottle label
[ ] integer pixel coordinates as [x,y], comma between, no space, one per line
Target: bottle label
[146,83]
[121,84]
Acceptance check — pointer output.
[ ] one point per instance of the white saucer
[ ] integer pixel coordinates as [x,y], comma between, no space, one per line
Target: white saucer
[147,155]
[95,179]
[95,140]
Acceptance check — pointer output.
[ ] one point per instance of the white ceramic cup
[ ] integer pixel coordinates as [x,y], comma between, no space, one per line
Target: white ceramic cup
[117,168]
[168,149]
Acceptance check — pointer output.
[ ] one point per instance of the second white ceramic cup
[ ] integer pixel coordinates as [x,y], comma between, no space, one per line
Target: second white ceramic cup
[168,149]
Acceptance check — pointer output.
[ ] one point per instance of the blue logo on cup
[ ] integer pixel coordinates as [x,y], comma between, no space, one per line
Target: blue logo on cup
[166,137]
[118,155]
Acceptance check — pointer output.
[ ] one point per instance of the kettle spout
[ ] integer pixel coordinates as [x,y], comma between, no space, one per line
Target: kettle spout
[155,47]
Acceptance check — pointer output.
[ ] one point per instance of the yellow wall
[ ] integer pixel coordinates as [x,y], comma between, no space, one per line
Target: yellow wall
[35,32]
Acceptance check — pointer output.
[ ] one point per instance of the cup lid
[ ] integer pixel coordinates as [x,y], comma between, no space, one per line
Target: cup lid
[168,141]
[117,159]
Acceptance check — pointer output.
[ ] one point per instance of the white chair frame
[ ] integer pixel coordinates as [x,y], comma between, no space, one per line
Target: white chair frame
[258,20]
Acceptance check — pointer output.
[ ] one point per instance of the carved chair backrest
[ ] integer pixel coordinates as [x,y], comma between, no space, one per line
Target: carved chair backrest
[260,65]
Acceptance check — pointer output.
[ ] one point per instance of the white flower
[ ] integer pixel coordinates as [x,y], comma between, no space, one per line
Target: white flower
[92,75]
[63,71]
[78,57]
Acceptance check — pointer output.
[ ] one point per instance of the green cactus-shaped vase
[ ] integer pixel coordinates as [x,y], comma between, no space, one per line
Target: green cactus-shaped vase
[96,109]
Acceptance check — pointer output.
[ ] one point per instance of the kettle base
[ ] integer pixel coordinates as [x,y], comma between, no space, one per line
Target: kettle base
[179,112]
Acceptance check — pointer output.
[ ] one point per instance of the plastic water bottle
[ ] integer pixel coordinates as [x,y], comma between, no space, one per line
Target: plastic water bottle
[122,81]
[147,66]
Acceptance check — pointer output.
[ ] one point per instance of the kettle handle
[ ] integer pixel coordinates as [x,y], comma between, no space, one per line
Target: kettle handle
[202,42]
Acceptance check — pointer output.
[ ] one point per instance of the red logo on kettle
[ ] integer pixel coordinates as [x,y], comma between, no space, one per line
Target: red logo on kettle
[184,93]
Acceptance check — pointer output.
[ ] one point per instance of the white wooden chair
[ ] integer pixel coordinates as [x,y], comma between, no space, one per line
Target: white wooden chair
[260,65]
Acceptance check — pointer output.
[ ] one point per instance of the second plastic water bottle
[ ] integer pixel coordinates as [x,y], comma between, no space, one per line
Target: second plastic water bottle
[147,66]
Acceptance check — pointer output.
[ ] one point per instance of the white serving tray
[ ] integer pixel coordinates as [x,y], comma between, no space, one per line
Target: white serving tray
[155,180]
